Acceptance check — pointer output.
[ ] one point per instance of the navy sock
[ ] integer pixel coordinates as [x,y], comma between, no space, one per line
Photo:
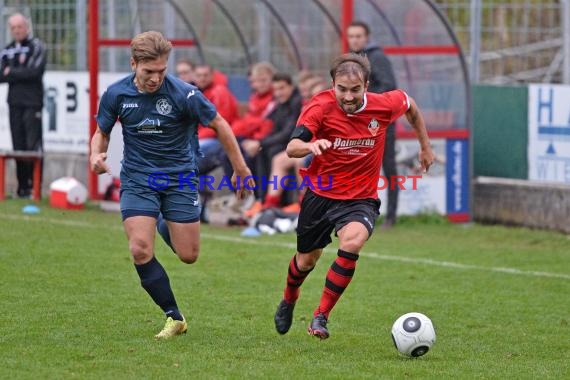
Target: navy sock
[156,283]
[162,229]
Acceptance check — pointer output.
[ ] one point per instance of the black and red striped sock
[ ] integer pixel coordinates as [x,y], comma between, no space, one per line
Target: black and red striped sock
[295,278]
[338,277]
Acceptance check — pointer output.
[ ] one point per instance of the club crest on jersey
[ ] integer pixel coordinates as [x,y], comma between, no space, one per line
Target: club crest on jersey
[163,107]
[373,127]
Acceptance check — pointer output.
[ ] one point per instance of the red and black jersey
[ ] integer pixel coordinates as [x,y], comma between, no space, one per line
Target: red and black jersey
[350,168]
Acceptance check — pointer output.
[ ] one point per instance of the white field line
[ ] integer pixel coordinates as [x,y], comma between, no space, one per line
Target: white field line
[403,259]
[292,246]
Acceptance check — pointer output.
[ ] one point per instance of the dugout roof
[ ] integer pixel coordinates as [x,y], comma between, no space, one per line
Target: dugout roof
[301,34]
[293,35]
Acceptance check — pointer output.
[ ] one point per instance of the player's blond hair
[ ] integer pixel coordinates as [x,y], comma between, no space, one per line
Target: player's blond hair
[351,64]
[149,46]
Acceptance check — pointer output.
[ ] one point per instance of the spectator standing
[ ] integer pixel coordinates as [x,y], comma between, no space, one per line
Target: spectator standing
[382,79]
[22,66]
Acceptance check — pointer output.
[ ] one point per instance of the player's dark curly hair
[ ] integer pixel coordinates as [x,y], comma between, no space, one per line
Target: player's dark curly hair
[351,64]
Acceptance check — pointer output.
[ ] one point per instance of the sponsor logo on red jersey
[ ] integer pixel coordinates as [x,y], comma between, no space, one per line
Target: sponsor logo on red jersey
[341,144]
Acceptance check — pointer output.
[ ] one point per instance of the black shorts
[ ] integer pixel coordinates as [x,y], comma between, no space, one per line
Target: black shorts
[320,215]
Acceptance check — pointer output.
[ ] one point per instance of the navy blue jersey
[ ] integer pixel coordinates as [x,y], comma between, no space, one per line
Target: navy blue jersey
[160,128]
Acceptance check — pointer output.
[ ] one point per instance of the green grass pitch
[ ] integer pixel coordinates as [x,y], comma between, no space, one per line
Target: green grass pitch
[72,306]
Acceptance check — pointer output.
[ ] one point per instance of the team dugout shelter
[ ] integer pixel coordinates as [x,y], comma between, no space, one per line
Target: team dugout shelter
[298,35]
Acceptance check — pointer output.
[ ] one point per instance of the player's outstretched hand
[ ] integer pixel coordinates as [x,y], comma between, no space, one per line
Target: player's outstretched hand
[318,147]
[426,158]
[98,164]
[244,189]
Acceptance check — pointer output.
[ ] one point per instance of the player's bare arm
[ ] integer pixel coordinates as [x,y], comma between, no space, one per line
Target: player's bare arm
[99,146]
[298,148]
[229,142]
[416,120]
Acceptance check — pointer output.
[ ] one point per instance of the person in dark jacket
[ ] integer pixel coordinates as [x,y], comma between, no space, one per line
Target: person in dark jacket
[382,79]
[284,117]
[22,66]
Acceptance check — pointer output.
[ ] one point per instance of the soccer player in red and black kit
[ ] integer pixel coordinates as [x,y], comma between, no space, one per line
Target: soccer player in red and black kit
[344,128]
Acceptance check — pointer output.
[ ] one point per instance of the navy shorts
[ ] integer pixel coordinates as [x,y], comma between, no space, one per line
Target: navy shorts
[319,216]
[145,195]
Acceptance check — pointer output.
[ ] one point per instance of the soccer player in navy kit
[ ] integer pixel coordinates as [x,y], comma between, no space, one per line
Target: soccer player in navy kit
[159,115]
[345,129]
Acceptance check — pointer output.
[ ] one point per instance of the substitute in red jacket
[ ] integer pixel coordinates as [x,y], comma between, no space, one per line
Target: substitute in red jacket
[255,123]
[218,94]
[226,105]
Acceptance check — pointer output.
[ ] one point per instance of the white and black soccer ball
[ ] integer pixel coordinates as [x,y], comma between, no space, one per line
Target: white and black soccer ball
[413,334]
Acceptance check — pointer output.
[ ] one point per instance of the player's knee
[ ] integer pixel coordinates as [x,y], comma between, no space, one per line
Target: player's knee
[140,250]
[190,255]
[307,261]
[352,247]
[353,242]
[188,259]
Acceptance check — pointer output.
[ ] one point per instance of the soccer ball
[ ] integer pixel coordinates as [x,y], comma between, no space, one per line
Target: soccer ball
[413,334]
